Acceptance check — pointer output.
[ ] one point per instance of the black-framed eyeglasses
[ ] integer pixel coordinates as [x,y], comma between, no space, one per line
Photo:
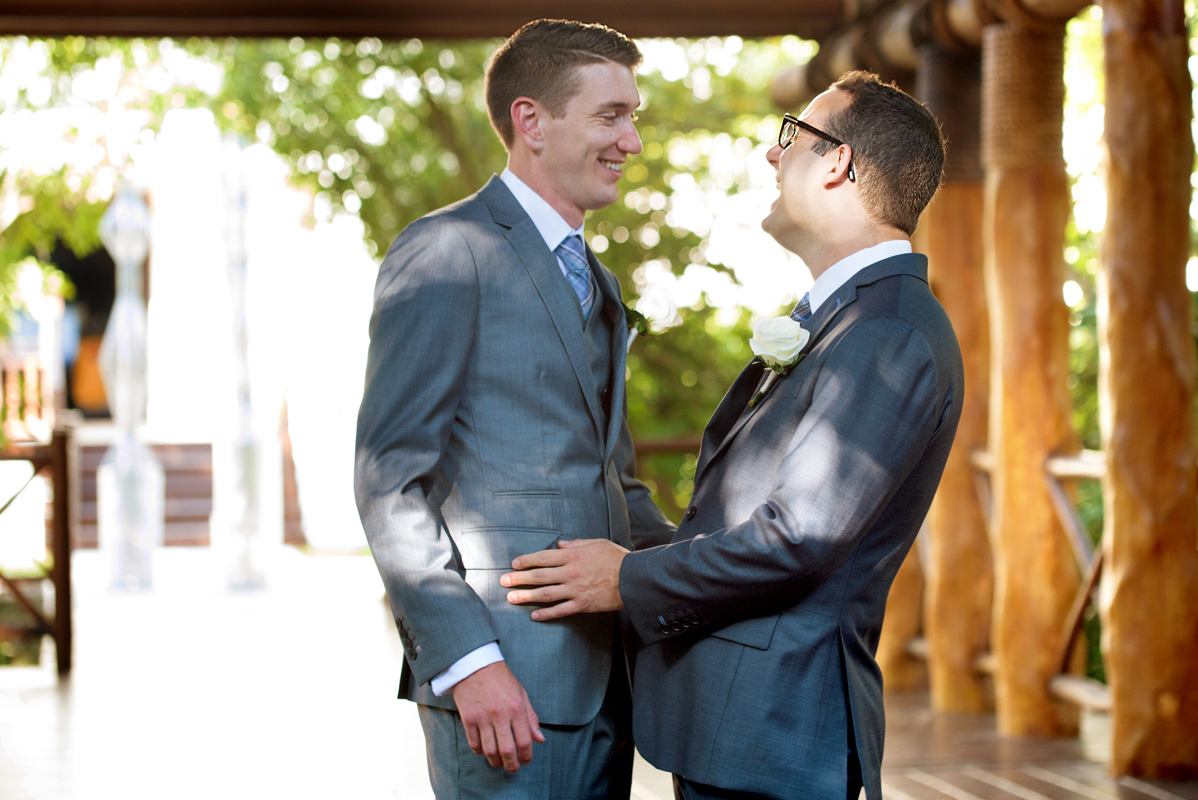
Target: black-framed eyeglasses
[791,125]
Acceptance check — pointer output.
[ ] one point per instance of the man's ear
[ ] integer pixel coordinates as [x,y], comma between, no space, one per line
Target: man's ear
[838,170]
[526,122]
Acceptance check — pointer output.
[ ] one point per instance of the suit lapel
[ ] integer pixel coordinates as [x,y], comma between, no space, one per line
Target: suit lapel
[914,265]
[546,275]
[613,306]
[817,324]
[728,413]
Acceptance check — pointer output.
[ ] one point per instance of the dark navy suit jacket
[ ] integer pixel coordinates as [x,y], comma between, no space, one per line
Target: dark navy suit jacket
[759,623]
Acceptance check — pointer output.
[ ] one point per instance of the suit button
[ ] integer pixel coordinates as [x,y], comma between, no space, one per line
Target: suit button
[691,512]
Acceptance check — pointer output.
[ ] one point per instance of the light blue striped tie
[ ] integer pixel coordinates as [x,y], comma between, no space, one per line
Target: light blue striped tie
[573,255]
[802,311]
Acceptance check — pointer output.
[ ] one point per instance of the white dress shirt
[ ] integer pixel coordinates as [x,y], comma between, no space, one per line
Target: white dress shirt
[553,229]
[840,272]
[550,225]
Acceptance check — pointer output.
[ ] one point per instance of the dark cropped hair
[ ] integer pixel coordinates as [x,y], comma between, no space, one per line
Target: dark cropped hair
[898,150]
[540,61]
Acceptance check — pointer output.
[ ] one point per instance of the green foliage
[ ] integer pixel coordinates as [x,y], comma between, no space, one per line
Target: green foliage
[388,131]
[50,212]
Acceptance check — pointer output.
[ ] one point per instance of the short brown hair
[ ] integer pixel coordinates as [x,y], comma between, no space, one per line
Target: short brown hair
[540,61]
[898,150]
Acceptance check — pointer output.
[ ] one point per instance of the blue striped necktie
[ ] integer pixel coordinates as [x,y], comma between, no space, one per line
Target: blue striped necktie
[578,272]
[802,311]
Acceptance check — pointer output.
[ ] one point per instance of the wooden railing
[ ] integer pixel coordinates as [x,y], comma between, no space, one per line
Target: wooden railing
[55,458]
[27,412]
[1086,465]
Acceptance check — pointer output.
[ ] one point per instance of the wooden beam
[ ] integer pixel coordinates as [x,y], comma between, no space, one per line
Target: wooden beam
[1026,208]
[440,19]
[1085,692]
[1089,464]
[1147,387]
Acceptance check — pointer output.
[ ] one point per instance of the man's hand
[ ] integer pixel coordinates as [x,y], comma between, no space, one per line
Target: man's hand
[498,718]
[583,576]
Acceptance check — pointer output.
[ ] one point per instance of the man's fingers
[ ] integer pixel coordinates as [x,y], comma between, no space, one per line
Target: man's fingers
[472,738]
[489,746]
[541,558]
[558,611]
[533,577]
[506,744]
[546,594]
[523,735]
[564,543]
[534,722]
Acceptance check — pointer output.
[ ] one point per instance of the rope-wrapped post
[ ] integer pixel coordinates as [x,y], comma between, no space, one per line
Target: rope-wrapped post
[1025,209]
[959,577]
[1147,386]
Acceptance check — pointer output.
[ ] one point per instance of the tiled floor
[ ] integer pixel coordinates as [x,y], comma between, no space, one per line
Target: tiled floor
[194,692]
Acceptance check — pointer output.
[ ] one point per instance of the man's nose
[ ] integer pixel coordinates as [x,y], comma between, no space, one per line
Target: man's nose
[630,140]
[774,155]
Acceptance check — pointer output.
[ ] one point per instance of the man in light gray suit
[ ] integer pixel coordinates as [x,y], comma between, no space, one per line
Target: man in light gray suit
[493,424]
[759,623]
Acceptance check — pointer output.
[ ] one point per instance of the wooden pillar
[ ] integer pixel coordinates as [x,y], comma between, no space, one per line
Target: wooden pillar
[901,671]
[60,477]
[1026,205]
[1150,580]
[959,576]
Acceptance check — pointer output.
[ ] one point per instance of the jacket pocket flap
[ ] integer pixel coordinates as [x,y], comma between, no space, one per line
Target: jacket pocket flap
[755,632]
[495,548]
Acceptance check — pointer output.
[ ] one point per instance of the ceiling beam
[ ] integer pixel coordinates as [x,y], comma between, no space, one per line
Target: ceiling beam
[389,19]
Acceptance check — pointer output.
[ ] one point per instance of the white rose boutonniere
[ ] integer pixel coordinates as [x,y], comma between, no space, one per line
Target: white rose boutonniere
[778,342]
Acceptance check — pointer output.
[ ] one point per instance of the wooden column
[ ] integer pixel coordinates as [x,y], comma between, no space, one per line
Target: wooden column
[1150,582]
[1026,205]
[901,671]
[959,576]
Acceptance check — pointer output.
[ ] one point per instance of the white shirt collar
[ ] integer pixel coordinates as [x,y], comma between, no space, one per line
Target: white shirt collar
[550,224]
[840,272]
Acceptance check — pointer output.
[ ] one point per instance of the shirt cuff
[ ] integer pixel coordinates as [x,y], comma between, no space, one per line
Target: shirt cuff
[466,666]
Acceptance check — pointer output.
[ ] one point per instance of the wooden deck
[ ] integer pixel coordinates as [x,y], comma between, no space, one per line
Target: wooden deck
[960,757]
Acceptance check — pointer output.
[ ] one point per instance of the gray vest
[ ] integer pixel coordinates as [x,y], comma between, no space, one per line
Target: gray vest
[597,336]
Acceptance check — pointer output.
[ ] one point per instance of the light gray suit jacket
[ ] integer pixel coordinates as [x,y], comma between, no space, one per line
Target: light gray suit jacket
[759,624]
[481,436]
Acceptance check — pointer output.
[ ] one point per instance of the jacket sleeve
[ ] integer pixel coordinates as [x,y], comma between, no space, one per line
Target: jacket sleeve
[874,409]
[422,329]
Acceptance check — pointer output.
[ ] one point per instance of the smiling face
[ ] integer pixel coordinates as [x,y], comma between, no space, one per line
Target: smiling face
[801,200]
[583,152]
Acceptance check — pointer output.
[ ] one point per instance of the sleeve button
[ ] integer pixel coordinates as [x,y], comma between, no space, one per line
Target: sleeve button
[691,512]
